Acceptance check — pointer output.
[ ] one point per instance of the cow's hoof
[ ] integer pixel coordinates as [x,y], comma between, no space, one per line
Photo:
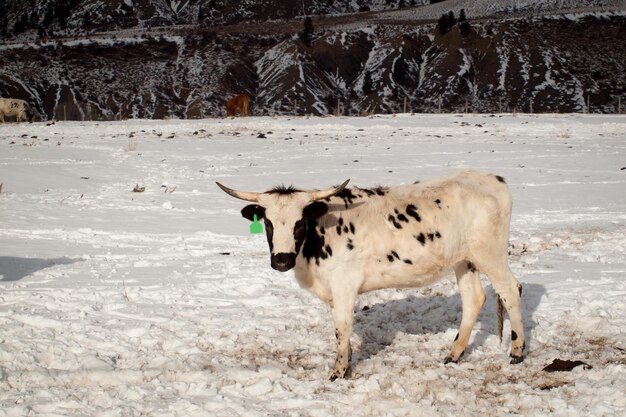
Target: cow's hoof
[339,374]
[516,359]
[449,358]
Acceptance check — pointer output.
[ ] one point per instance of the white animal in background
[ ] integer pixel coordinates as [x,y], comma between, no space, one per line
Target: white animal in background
[15,107]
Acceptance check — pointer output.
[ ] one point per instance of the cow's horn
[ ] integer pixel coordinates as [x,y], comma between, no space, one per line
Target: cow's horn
[239,194]
[319,195]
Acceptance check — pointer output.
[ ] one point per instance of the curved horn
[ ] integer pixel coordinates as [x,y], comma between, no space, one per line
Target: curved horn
[319,195]
[239,194]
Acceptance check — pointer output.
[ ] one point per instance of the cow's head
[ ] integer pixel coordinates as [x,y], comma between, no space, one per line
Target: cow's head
[285,212]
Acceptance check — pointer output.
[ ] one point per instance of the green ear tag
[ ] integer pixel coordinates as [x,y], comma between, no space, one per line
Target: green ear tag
[256,227]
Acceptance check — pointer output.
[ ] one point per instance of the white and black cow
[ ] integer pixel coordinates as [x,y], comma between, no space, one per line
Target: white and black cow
[342,242]
[15,107]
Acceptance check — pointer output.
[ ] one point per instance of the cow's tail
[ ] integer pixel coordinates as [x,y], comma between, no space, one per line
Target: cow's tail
[500,309]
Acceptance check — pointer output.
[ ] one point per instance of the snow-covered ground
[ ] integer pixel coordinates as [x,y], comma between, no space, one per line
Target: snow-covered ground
[118,303]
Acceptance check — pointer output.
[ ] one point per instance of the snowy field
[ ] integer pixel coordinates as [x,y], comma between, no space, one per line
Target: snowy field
[159,303]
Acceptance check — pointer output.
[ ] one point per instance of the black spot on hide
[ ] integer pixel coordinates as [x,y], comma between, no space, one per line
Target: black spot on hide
[269,232]
[438,202]
[411,210]
[345,229]
[299,233]
[501,179]
[340,221]
[408,261]
[350,246]
[392,220]
[315,210]
[421,238]
[431,237]
[380,191]
[314,243]
[329,250]
[471,267]
[390,258]
[457,337]
[338,228]
[513,335]
[403,218]
[352,228]
[395,255]
[347,196]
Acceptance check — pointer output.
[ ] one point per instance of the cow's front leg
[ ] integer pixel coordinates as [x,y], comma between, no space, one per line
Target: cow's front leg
[343,315]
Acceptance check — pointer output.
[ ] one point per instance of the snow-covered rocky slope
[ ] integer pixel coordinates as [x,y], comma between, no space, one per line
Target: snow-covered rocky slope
[565,63]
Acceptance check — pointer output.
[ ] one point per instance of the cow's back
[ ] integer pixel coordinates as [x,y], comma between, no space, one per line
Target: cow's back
[408,235]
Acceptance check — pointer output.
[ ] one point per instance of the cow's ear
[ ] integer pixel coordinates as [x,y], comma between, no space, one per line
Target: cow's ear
[315,210]
[249,211]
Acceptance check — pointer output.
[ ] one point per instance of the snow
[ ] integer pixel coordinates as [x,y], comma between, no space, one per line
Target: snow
[115,303]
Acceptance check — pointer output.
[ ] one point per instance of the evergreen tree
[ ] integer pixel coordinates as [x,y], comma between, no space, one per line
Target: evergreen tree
[444,24]
[462,17]
[305,35]
[451,19]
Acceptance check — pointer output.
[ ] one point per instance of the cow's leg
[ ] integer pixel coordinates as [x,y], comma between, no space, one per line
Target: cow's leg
[473,298]
[510,291]
[343,316]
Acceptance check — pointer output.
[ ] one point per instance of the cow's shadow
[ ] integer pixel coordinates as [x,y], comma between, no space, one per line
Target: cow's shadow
[379,324]
[14,269]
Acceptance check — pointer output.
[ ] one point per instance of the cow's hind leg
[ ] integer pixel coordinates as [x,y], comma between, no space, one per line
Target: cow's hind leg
[509,291]
[473,298]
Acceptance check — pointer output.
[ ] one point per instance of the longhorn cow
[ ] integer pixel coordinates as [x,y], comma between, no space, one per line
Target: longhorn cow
[345,241]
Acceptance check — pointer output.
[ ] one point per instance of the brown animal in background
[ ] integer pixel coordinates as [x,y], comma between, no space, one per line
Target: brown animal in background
[238,104]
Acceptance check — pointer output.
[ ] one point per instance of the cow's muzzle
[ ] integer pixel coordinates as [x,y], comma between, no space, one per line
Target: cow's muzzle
[283,261]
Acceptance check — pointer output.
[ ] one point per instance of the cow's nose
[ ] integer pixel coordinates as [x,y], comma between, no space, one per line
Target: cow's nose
[283,261]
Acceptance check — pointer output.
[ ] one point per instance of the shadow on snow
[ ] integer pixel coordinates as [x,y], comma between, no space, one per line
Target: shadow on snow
[14,269]
[379,325]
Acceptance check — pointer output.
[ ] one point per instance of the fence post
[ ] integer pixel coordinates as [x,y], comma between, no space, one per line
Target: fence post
[466,105]
[588,103]
[619,104]
[64,114]
[404,104]
[531,105]
[440,103]
[500,103]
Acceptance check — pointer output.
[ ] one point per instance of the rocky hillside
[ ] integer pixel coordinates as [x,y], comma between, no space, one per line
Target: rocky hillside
[540,64]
